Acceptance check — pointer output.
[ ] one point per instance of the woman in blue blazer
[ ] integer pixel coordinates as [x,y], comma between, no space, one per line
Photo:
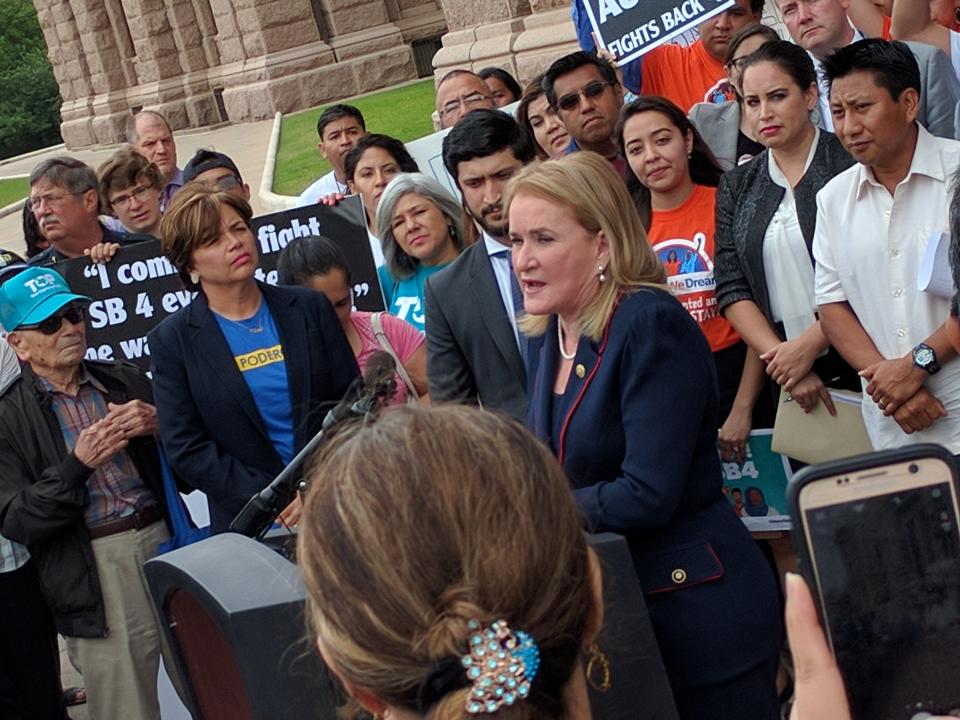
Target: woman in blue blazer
[626,395]
[241,374]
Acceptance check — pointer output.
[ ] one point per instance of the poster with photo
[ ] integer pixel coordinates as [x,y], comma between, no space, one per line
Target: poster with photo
[757,487]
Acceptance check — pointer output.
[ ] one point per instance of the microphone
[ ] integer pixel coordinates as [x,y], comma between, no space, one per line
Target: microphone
[377,377]
[362,397]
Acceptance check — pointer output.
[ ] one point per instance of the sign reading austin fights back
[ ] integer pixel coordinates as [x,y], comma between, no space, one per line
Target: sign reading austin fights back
[630,28]
[139,287]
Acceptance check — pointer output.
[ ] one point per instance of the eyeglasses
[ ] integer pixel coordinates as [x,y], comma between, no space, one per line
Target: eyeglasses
[74,314]
[466,102]
[49,200]
[736,63]
[121,201]
[589,91]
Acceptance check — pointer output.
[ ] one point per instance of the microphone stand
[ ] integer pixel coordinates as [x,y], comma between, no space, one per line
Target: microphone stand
[262,509]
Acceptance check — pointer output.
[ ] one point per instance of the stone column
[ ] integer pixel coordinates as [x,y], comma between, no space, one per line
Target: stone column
[287,66]
[69,62]
[480,34]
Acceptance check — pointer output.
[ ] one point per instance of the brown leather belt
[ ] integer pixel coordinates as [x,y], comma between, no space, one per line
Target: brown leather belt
[139,520]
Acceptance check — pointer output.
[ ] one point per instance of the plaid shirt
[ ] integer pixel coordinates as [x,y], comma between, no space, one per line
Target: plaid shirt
[115,488]
[13,555]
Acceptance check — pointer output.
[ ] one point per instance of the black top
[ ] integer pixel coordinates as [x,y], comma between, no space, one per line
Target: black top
[51,255]
[747,149]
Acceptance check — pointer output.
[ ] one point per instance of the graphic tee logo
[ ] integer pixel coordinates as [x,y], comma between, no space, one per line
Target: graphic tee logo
[690,274]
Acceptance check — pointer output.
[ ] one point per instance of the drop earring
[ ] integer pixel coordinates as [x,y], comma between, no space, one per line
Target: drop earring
[194,277]
[600,273]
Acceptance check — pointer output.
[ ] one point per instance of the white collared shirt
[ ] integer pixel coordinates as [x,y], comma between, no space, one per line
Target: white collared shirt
[786,260]
[868,247]
[501,271]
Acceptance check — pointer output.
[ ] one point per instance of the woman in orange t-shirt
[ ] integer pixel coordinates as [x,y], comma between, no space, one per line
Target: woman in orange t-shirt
[675,178]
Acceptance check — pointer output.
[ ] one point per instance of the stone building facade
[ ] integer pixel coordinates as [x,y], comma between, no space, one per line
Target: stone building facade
[201,62]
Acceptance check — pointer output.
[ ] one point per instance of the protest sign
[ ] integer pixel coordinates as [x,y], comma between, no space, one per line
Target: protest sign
[139,287]
[757,487]
[428,153]
[630,28]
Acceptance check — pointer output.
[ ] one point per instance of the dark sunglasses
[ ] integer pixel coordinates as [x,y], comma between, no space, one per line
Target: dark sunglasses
[590,90]
[74,314]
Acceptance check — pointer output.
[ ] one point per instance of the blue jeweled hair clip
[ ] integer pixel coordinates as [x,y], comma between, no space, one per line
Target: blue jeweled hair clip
[501,665]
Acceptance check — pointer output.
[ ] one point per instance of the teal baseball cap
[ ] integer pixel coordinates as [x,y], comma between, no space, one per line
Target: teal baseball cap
[33,295]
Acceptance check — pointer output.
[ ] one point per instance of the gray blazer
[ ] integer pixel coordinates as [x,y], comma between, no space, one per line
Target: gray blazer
[939,90]
[747,199]
[472,352]
[719,126]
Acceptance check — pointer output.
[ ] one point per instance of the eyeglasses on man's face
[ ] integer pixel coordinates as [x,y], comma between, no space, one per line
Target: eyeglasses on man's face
[75,314]
[590,90]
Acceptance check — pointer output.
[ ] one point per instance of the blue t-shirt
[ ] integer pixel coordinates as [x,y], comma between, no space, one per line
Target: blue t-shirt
[256,348]
[404,298]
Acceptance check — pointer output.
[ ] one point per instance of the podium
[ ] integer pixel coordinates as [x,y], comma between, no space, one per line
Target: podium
[234,619]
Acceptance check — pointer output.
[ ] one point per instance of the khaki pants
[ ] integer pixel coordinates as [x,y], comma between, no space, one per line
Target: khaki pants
[120,670]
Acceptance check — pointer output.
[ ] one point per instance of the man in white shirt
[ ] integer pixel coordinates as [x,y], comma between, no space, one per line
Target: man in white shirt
[339,128]
[821,27]
[873,224]
[474,348]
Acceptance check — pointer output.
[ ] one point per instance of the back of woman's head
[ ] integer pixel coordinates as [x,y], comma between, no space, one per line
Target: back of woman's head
[789,57]
[307,257]
[423,525]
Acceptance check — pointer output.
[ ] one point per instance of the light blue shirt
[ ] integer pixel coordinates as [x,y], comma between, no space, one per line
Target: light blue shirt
[13,555]
[501,271]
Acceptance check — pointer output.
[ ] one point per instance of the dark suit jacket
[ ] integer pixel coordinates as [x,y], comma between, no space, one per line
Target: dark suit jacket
[746,202]
[639,444]
[472,352]
[210,427]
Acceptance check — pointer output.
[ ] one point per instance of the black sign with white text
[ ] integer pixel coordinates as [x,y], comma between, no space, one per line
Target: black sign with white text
[630,28]
[139,287]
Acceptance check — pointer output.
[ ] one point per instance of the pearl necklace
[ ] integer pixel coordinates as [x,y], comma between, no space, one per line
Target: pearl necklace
[563,347]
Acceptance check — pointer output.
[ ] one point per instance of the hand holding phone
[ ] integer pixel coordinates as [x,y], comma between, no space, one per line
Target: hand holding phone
[819,691]
[879,540]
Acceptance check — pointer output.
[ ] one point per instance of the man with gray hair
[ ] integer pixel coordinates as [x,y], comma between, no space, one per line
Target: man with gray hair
[66,204]
[148,132]
[81,488]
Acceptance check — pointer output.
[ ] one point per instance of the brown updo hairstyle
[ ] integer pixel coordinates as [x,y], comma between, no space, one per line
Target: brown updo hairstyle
[192,220]
[428,518]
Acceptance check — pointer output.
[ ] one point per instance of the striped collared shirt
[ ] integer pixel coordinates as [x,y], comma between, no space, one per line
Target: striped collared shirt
[115,488]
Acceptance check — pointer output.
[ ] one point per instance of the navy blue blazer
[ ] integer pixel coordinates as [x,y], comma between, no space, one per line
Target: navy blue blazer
[639,444]
[210,427]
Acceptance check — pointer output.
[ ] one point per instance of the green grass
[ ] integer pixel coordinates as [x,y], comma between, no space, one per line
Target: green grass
[13,189]
[403,113]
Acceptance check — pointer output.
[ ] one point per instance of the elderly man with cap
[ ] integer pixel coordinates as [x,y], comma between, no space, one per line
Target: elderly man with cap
[29,656]
[217,171]
[81,488]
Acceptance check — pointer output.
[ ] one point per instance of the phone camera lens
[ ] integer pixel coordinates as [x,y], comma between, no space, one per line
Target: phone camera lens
[914,469]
